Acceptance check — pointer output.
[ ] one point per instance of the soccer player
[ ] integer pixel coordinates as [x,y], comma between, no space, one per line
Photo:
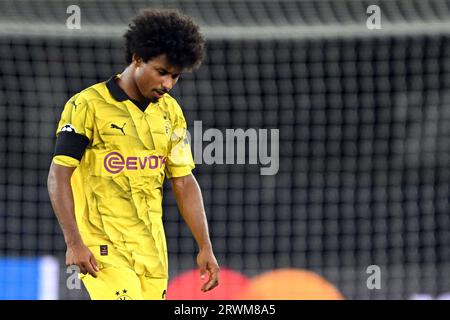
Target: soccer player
[116,142]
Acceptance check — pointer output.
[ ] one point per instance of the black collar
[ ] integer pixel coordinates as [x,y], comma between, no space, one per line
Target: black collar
[118,94]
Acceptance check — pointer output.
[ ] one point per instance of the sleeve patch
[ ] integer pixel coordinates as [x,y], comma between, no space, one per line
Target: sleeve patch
[68,127]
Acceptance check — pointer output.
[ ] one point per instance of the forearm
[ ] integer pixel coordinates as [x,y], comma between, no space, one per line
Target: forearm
[61,197]
[190,203]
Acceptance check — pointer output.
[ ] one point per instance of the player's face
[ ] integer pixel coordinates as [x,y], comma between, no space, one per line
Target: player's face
[156,77]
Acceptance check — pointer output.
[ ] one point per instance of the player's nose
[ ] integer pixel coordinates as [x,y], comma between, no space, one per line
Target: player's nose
[167,83]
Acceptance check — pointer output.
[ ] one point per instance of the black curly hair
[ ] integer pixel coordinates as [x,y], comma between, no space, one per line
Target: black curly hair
[162,31]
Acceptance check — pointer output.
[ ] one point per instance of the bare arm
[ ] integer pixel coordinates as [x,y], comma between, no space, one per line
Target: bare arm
[189,199]
[61,197]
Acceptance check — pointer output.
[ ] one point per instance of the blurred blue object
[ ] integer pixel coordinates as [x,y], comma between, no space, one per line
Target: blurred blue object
[29,278]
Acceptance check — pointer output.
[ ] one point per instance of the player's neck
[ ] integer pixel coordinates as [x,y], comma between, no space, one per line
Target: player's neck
[127,84]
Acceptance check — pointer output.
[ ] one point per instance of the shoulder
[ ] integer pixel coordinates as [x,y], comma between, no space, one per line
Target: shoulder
[171,105]
[88,97]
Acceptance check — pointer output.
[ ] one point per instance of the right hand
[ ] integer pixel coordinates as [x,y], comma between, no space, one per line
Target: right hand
[78,254]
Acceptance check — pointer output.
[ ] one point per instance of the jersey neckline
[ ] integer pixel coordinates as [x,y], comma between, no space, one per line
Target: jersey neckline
[120,95]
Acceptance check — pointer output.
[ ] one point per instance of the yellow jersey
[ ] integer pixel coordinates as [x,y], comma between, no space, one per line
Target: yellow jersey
[122,151]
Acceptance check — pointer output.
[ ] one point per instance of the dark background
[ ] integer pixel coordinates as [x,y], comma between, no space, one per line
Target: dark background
[364,124]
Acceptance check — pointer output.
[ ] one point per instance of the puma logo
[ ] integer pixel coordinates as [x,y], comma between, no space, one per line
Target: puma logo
[74,105]
[113,126]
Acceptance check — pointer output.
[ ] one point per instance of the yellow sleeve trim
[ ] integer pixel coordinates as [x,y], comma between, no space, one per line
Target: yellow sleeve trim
[66,161]
[176,172]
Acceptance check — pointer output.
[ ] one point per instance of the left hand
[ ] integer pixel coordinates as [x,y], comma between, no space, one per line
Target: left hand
[207,263]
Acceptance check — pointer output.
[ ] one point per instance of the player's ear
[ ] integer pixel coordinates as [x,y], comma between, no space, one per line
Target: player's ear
[136,60]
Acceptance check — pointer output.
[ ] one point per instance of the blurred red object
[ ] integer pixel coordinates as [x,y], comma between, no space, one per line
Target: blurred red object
[289,284]
[187,286]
